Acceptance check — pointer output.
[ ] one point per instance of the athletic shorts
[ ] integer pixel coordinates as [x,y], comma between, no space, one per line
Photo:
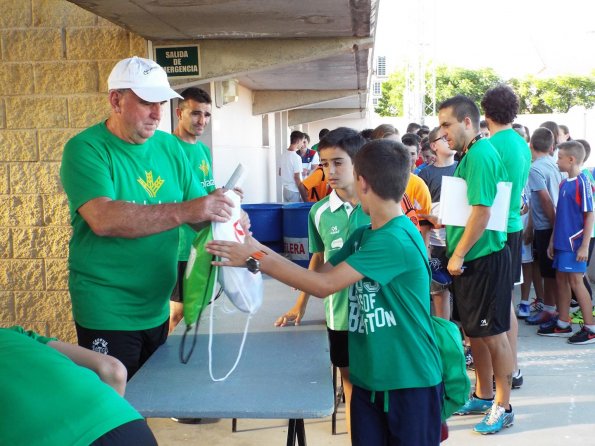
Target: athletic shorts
[135,432]
[514,240]
[177,295]
[409,417]
[541,241]
[565,262]
[482,295]
[132,348]
[527,253]
[339,348]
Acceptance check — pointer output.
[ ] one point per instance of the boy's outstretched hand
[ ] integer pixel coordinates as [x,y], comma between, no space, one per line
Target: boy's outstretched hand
[232,253]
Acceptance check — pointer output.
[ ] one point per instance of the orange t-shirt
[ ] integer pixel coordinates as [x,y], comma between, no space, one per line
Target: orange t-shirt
[316,185]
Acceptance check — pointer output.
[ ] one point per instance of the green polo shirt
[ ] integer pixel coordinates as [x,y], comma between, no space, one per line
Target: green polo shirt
[391,337]
[482,170]
[516,157]
[330,223]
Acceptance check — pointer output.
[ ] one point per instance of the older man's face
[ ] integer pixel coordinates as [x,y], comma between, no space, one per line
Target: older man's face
[137,119]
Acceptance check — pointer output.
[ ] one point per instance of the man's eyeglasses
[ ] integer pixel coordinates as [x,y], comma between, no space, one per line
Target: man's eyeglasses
[443,138]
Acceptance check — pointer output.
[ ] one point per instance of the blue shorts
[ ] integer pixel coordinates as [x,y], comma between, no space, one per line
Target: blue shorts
[409,417]
[565,262]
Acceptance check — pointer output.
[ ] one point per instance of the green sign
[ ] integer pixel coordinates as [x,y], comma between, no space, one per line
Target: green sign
[179,61]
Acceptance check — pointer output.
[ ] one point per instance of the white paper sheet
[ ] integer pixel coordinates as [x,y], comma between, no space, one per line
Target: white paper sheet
[455,208]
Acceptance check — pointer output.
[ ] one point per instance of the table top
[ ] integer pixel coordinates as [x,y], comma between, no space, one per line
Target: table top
[283,372]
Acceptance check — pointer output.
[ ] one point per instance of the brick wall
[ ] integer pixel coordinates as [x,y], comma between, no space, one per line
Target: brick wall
[54,62]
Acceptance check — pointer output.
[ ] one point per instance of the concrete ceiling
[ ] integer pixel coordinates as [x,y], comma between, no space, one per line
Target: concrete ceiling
[317,63]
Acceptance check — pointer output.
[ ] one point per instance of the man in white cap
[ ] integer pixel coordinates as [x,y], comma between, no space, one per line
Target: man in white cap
[129,187]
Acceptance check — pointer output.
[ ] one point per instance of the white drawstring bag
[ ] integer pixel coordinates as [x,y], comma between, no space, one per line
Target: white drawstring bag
[243,288]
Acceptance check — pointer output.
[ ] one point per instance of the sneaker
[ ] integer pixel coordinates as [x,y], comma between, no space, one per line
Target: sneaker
[496,419]
[469,358]
[517,380]
[548,329]
[549,324]
[187,420]
[577,317]
[523,311]
[536,305]
[574,306]
[475,406]
[582,337]
[441,279]
[539,318]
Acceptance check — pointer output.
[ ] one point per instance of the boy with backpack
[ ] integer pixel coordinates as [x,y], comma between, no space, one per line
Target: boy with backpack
[395,365]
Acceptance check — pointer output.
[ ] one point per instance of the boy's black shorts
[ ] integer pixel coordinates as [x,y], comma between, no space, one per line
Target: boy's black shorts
[135,432]
[541,241]
[482,295]
[132,348]
[338,346]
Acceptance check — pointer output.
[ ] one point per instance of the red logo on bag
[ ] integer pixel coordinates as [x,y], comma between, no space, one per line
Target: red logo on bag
[238,231]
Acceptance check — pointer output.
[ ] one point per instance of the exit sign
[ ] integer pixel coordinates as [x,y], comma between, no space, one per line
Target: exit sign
[179,61]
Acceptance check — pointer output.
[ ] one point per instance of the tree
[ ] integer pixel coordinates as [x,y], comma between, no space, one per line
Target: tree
[554,95]
[536,95]
[449,81]
[391,101]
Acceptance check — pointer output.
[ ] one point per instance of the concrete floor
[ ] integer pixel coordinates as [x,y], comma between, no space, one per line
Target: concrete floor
[553,407]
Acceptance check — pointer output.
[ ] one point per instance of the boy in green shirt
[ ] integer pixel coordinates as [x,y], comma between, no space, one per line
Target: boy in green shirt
[330,223]
[395,366]
[57,394]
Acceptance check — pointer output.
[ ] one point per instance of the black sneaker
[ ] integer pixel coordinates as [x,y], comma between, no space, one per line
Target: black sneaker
[582,337]
[517,380]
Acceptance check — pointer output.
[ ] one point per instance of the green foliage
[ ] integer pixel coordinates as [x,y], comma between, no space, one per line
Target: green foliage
[536,95]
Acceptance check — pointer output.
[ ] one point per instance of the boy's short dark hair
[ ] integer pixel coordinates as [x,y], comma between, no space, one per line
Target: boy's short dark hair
[587,147]
[196,94]
[322,133]
[367,133]
[500,104]
[573,148]
[411,139]
[296,136]
[348,140]
[542,140]
[385,165]
[462,108]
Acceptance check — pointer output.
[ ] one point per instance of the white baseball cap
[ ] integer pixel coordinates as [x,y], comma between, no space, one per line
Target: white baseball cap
[143,76]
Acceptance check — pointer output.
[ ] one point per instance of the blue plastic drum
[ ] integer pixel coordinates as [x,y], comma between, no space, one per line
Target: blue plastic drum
[266,220]
[295,232]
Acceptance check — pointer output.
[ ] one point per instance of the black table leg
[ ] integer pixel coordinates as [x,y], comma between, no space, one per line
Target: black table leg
[296,431]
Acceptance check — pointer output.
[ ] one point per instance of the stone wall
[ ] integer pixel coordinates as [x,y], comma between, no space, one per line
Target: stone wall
[54,62]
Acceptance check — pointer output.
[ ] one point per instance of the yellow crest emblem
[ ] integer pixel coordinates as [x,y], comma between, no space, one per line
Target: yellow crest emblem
[150,185]
[204,167]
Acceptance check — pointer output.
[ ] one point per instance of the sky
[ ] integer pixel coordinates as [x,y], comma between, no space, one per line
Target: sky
[544,38]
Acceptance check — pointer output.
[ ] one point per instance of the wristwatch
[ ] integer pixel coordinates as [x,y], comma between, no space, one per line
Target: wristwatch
[253,262]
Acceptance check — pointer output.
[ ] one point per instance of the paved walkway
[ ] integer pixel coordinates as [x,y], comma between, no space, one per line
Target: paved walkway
[555,406]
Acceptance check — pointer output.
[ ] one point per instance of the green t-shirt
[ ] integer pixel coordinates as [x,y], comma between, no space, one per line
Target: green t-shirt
[516,157]
[482,169]
[199,156]
[331,221]
[391,338]
[48,400]
[119,283]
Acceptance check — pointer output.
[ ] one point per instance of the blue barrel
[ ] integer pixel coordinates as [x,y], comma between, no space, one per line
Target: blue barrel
[266,223]
[295,232]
